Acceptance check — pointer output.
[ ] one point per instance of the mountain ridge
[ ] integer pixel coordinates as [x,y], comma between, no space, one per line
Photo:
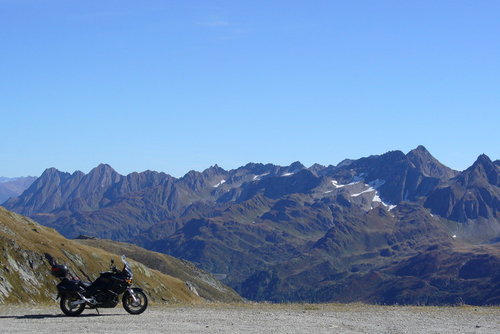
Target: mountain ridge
[262,219]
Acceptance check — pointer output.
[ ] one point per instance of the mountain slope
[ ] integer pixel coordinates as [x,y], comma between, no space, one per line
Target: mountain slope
[206,285]
[25,274]
[13,187]
[428,165]
[409,258]
[471,198]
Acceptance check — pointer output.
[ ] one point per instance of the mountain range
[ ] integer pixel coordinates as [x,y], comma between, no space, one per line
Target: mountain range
[389,228]
[13,187]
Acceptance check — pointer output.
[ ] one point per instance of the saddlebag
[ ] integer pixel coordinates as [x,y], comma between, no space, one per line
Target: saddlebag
[70,286]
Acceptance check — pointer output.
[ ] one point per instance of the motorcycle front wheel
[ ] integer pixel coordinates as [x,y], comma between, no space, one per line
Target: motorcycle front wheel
[139,305]
[68,308]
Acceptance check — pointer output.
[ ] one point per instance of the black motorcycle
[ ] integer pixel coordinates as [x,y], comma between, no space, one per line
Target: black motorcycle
[104,292]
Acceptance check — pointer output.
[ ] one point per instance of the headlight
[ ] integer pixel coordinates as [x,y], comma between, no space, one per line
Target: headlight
[129,281]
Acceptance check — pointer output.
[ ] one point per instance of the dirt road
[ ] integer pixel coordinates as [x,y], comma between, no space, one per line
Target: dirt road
[256,318]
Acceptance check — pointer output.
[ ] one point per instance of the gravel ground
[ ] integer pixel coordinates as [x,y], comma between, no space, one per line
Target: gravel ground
[256,318]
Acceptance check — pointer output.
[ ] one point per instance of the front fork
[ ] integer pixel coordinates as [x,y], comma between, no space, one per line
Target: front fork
[132,294]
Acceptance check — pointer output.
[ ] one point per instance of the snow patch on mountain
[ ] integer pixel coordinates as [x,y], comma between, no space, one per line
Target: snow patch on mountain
[337,185]
[389,206]
[377,199]
[220,183]
[257,177]
[372,187]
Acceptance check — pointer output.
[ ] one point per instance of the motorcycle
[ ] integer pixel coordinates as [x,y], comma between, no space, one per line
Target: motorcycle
[104,292]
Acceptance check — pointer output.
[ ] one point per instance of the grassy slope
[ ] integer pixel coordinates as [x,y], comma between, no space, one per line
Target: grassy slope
[206,285]
[25,274]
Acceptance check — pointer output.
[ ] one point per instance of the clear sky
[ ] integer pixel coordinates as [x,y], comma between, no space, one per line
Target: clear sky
[179,85]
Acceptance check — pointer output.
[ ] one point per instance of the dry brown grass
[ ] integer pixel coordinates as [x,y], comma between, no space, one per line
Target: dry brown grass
[25,242]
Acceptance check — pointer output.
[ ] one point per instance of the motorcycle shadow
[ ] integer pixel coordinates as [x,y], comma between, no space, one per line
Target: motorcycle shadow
[44,316]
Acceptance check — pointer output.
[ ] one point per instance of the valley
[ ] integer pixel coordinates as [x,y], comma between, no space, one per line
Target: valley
[393,228]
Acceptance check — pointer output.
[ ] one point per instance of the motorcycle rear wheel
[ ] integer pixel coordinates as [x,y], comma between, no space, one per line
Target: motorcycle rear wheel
[135,307]
[68,309]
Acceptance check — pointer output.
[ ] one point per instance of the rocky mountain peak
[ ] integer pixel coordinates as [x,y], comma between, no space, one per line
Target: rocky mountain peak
[214,170]
[190,175]
[429,166]
[421,148]
[482,159]
[483,168]
[344,163]
[78,173]
[392,156]
[258,168]
[296,166]
[51,172]
[317,166]
[472,194]
[101,176]
[420,151]
[317,169]
[51,176]
[194,180]
[102,169]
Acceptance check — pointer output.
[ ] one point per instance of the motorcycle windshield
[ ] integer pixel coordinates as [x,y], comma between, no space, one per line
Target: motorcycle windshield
[126,266]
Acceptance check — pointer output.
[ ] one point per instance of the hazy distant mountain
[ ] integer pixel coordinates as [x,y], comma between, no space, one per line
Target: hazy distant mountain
[13,187]
[297,233]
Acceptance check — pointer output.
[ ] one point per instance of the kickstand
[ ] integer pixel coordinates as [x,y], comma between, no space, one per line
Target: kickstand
[97,311]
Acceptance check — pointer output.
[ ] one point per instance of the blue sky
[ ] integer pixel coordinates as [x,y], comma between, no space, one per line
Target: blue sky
[179,85]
